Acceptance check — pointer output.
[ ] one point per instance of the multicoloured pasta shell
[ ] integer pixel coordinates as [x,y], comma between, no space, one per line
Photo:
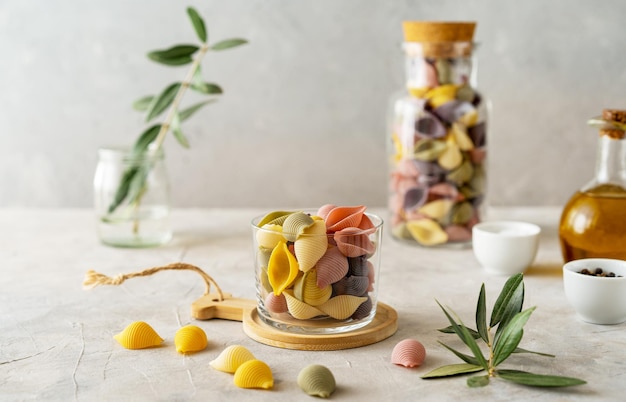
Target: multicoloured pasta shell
[282,268]
[299,309]
[305,289]
[189,339]
[231,358]
[254,374]
[275,304]
[311,246]
[331,267]
[341,307]
[295,224]
[317,380]
[408,353]
[352,242]
[344,217]
[138,335]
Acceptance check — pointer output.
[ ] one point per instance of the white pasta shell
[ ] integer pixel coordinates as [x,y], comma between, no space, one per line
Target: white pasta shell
[231,358]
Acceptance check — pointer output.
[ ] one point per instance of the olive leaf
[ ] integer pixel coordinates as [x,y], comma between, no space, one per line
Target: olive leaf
[467,338]
[503,299]
[188,112]
[538,380]
[228,43]
[478,381]
[178,133]
[142,104]
[177,55]
[163,101]
[134,179]
[198,24]
[481,315]
[452,370]
[510,319]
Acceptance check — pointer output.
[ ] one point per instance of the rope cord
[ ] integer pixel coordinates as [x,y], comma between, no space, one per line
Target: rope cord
[94,279]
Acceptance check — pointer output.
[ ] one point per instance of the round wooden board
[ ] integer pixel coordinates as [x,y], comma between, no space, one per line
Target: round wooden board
[384,324]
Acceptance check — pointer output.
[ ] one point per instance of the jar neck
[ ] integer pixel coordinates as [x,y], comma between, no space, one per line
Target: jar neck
[429,65]
[611,161]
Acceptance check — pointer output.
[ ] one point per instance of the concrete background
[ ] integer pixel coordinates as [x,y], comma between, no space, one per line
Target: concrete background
[302,120]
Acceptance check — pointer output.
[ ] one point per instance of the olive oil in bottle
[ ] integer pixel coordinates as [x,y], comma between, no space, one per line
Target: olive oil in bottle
[593,222]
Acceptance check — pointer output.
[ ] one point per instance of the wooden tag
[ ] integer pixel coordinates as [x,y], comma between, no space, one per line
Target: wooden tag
[230,308]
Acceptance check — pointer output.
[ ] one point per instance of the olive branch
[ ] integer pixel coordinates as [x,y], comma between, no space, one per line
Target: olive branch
[509,319]
[133,183]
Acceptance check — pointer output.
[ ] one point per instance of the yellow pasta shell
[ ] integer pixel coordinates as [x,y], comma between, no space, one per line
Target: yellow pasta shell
[299,309]
[427,232]
[138,335]
[269,235]
[461,137]
[437,209]
[341,307]
[231,358]
[254,374]
[311,246]
[189,339]
[306,289]
[275,218]
[282,268]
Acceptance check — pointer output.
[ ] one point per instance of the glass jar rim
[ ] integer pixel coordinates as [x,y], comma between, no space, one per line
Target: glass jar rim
[127,154]
[376,220]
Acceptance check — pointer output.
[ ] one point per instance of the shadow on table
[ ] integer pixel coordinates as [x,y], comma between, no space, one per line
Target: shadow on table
[545,269]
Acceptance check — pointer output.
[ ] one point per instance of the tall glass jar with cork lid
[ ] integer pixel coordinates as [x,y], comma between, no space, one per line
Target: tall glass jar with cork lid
[593,222]
[437,138]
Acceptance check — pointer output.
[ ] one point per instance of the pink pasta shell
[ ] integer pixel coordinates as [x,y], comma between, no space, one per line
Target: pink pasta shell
[276,304]
[408,353]
[352,242]
[344,217]
[331,267]
[325,210]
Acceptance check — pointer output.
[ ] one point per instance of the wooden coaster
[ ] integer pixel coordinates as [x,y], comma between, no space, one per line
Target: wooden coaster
[384,324]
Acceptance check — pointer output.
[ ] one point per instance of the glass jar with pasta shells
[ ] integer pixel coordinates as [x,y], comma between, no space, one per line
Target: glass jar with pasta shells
[593,221]
[437,138]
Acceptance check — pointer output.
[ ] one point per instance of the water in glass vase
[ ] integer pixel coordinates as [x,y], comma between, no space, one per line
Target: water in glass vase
[593,224]
[148,227]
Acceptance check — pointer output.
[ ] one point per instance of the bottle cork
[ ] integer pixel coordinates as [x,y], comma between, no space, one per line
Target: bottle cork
[440,38]
[617,116]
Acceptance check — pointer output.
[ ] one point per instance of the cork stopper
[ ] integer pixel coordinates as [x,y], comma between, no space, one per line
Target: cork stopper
[440,39]
[438,31]
[614,131]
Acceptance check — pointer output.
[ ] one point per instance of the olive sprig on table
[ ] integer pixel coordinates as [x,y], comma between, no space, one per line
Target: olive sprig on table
[133,182]
[509,318]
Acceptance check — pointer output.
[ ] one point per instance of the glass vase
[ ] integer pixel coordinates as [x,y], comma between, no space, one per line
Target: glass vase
[132,198]
[437,139]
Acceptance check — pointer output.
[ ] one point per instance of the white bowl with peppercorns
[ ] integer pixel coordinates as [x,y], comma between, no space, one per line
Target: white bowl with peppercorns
[596,288]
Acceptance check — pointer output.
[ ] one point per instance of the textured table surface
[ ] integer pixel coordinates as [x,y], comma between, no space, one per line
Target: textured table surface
[56,339]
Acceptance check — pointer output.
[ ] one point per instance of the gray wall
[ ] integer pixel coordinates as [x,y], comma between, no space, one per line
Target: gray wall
[302,121]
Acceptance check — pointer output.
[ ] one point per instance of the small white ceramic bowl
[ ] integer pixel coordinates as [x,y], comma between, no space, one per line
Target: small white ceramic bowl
[597,300]
[505,247]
